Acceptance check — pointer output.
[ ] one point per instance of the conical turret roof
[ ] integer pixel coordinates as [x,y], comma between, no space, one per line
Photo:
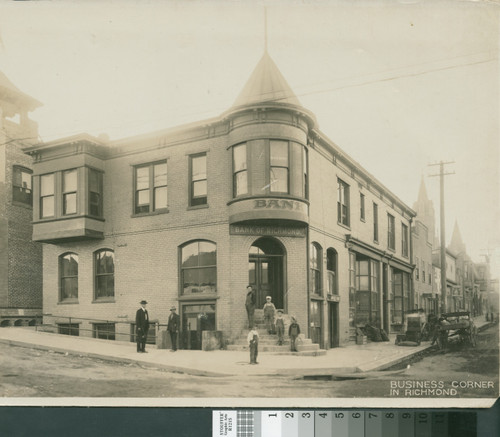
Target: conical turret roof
[266,84]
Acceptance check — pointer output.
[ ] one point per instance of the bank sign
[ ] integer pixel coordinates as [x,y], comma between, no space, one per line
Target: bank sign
[268,231]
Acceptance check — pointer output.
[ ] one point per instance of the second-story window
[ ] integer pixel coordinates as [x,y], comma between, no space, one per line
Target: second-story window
[95,193]
[69,186]
[240,174]
[47,195]
[362,207]
[198,188]
[417,268]
[342,202]
[375,222]
[391,232]
[279,166]
[21,185]
[151,187]
[404,239]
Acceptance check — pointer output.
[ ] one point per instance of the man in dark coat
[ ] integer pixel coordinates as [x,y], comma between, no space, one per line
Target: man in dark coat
[250,305]
[293,332]
[142,326]
[173,327]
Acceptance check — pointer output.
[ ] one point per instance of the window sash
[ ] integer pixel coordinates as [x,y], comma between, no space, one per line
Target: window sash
[151,187]
[342,202]
[279,163]
[404,240]
[240,178]
[391,237]
[375,222]
[104,274]
[199,185]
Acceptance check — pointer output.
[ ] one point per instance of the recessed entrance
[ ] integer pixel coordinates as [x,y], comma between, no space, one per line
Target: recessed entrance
[196,318]
[333,323]
[265,271]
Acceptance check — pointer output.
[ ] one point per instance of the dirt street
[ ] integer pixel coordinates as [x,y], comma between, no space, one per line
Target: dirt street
[26,372]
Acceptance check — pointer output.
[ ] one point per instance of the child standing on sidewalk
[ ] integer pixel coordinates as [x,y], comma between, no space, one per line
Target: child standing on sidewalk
[253,344]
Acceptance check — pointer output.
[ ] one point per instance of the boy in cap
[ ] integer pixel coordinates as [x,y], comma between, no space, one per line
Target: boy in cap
[141,327]
[269,310]
[173,327]
[280,326]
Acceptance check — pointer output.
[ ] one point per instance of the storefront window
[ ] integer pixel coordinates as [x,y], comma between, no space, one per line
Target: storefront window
[400,291]
[199,268]
[352,288]
[367,291]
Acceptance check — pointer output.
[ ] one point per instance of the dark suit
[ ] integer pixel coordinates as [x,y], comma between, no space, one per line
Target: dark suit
[173,328]
[142,328]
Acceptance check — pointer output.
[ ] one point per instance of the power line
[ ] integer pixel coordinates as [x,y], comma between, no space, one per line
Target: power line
[220,108]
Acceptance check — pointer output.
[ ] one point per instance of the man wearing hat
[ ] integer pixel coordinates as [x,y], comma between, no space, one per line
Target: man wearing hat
[173,327]
[142,326]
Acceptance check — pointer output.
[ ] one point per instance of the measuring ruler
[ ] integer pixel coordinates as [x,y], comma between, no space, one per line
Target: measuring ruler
[343,423]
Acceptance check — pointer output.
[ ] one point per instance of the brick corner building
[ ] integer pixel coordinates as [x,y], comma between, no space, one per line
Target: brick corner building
[190,216]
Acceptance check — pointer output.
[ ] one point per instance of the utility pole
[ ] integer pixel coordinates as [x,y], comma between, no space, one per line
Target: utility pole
[441,175]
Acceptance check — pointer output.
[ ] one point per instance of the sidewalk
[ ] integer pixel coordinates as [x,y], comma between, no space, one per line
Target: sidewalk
[348,359]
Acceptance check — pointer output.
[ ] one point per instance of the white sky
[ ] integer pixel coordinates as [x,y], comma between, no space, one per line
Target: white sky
[397,86]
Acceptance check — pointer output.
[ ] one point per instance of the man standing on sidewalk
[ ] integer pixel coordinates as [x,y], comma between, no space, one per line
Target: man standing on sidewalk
[142,327]
[173,327]
[250,305]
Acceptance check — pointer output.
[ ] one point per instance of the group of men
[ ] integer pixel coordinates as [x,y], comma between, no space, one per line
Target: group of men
[142,327]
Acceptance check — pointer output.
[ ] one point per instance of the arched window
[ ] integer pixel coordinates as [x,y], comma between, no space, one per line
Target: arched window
[104,268]
[331,267]
[199,267]
[68,276]
[315,269]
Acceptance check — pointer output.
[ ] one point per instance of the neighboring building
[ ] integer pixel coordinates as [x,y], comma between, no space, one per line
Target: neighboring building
[426,295]
[189,216]
[453,295]
[20,257]
[484,286]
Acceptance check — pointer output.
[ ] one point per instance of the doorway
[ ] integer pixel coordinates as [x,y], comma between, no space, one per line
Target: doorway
[333,323]
[196,318]
[265,271]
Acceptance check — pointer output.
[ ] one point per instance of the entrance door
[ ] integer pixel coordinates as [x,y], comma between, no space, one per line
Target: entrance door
[316,322]
[196,319]
[265,271]
[333,322]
